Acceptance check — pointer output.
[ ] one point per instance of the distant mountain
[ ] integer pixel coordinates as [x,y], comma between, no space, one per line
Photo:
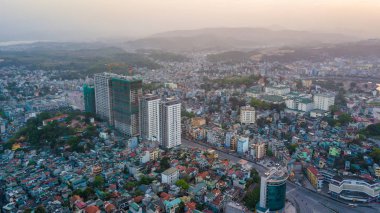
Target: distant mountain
[233,39]
[360,49]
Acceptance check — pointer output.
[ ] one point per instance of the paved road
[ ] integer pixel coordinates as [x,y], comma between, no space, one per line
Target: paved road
[222,155]
[304,200]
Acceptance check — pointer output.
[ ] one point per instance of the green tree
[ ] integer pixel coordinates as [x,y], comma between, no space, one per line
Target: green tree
[375,154]
[98,181]
[145,180]
[258,104]
[164,163]
[252,198]
[269,153]
[40,209]
[181,208]
[344,119]
[292,148]
[138,193]
[130,185]
[183,184]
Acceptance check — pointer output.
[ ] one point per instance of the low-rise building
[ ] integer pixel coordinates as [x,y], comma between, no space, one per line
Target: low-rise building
[314,177]
[170,176]
[354,189]
[242,145]
[247,115]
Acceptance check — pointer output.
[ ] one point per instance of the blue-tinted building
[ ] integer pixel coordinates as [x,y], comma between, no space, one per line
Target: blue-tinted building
[89,99]
[242,145]
[273,190]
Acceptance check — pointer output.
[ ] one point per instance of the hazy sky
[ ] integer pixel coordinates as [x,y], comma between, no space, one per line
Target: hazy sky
[93,19]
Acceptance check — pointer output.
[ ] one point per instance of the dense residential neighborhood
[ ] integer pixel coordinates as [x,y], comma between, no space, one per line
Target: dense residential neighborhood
[191,141]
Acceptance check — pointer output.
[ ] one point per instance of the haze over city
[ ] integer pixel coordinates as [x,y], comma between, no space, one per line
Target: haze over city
[190,106]
[96,19]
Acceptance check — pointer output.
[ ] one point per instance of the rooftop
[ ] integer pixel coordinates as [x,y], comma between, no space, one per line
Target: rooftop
[170,171]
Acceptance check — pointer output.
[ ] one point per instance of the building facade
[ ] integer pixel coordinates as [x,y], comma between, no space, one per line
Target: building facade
[314,177]
[170,176]
[150,117]
[103,96]
[324,101]
[242,145]
[273,190]
[170,123]
[117,100]
[89,99]
[126,92]
[354,188]
[247,115]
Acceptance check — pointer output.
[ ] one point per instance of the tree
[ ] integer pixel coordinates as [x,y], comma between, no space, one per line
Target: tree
[292,148]
[138,193]
[181,208]
[130,185]
[40,209]
[269,153]
[164,163]
[371,130]
[375,154]
[98,182]
[258,104]
[344,119]
[251,198]
[183,184]
[145,180]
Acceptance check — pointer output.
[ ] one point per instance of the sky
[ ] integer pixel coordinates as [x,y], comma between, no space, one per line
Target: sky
[89,20]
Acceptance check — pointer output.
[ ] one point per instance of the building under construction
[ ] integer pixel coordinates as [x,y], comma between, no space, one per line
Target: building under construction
[117,100]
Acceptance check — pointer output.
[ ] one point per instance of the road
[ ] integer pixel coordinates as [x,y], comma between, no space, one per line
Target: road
[304,200]
[222,155]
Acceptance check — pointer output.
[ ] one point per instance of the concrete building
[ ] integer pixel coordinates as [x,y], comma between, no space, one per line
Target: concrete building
[354,188]
[125,93]
[198,121]
[150,117]
[314,177]
[242,145]
[258,151]
[170,123]
[277,90]
[170,176]
[89,99]
[376,169]
[300,104]
[103,96]
[116,100]
[315,113]
[247,115]
[324,101]
[273,191]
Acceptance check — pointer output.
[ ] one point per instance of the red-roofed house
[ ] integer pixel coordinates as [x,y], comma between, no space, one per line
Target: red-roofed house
[57,118]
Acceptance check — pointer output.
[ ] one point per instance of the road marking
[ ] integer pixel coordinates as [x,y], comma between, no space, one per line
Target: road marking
[290,190]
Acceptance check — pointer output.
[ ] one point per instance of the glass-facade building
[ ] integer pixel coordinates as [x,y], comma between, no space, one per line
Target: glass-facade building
[273,191]
[89,99]
[125,95]
[276,195]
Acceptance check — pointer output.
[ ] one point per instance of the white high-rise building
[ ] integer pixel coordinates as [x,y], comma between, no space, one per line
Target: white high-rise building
[170,123]
[103,96]
[247,115]
[324,101]
[150,117]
